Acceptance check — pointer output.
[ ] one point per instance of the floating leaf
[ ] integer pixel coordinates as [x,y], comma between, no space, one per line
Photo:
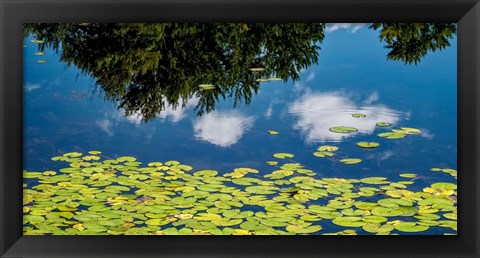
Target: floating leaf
[410,227]
[374,180]
[343,129]
[349,221]
[358,115]
[368,144]
[391,135]
[383,124]
[323,154]
[72,154]
[328,148]
[207,86]
[410,130]
[350,161]
[377,228]
[444,186]
[272,163]
[283,155]
[408,175]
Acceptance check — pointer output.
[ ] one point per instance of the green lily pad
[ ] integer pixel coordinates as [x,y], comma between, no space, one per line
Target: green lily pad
[408,175]
[368,145]
[358,115]
[206,173]
[410,227]
[274,79]
[283,155]
[323,154]
[327,148]
[351,161]
[300,229]
[391,135]
[377,228]
[253,225]
[374,180]
[386,212]
[343,129]
[272,132]
[394,203]
[444,186]
[207,86]
[383,124]
[410,130]
[349,221]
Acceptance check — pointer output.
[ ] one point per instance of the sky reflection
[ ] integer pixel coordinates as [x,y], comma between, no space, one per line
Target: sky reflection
[317,111]
[223,129]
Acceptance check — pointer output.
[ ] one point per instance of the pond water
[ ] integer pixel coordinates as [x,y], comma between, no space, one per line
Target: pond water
[64,111]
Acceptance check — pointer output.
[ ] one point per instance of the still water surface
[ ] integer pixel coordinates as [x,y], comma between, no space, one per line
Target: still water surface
[64,111]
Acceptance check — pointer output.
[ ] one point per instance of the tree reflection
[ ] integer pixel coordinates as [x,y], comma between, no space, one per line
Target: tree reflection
[147,68]
[410,42]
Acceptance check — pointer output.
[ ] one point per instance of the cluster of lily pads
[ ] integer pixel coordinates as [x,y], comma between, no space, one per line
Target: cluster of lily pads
[96,195]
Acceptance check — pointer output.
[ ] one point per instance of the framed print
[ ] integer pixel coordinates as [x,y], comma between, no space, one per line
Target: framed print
[239,129]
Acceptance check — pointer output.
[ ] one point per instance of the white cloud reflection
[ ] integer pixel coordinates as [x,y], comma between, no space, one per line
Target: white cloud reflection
[222,128]
[106,126]
[351,27]
[32,86]
[177,114]
[317,112]
[173,114]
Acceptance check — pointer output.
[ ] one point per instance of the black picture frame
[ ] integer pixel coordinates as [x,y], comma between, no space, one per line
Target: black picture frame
[14,13]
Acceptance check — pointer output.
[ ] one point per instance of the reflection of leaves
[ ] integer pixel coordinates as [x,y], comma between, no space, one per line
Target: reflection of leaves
[146,68]
[410,42]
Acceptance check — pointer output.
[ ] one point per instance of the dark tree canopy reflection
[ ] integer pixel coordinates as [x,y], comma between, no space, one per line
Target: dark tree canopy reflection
[145,68]
[410,42]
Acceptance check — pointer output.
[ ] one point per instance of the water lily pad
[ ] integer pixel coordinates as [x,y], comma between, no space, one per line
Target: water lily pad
[206,173]
[253,225]
[283,155]
[349,221]
[274,79]
[368,145]
[351,161]
[410,130]
[383,124]
[444,186]
[323,154]
[410,227]
[207,86]
[391,135]
[374,180]
[386,212]
[408,175]
[327,148]
[72,154]
[343,129]
[377,228]
[374,219]
[358,115]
